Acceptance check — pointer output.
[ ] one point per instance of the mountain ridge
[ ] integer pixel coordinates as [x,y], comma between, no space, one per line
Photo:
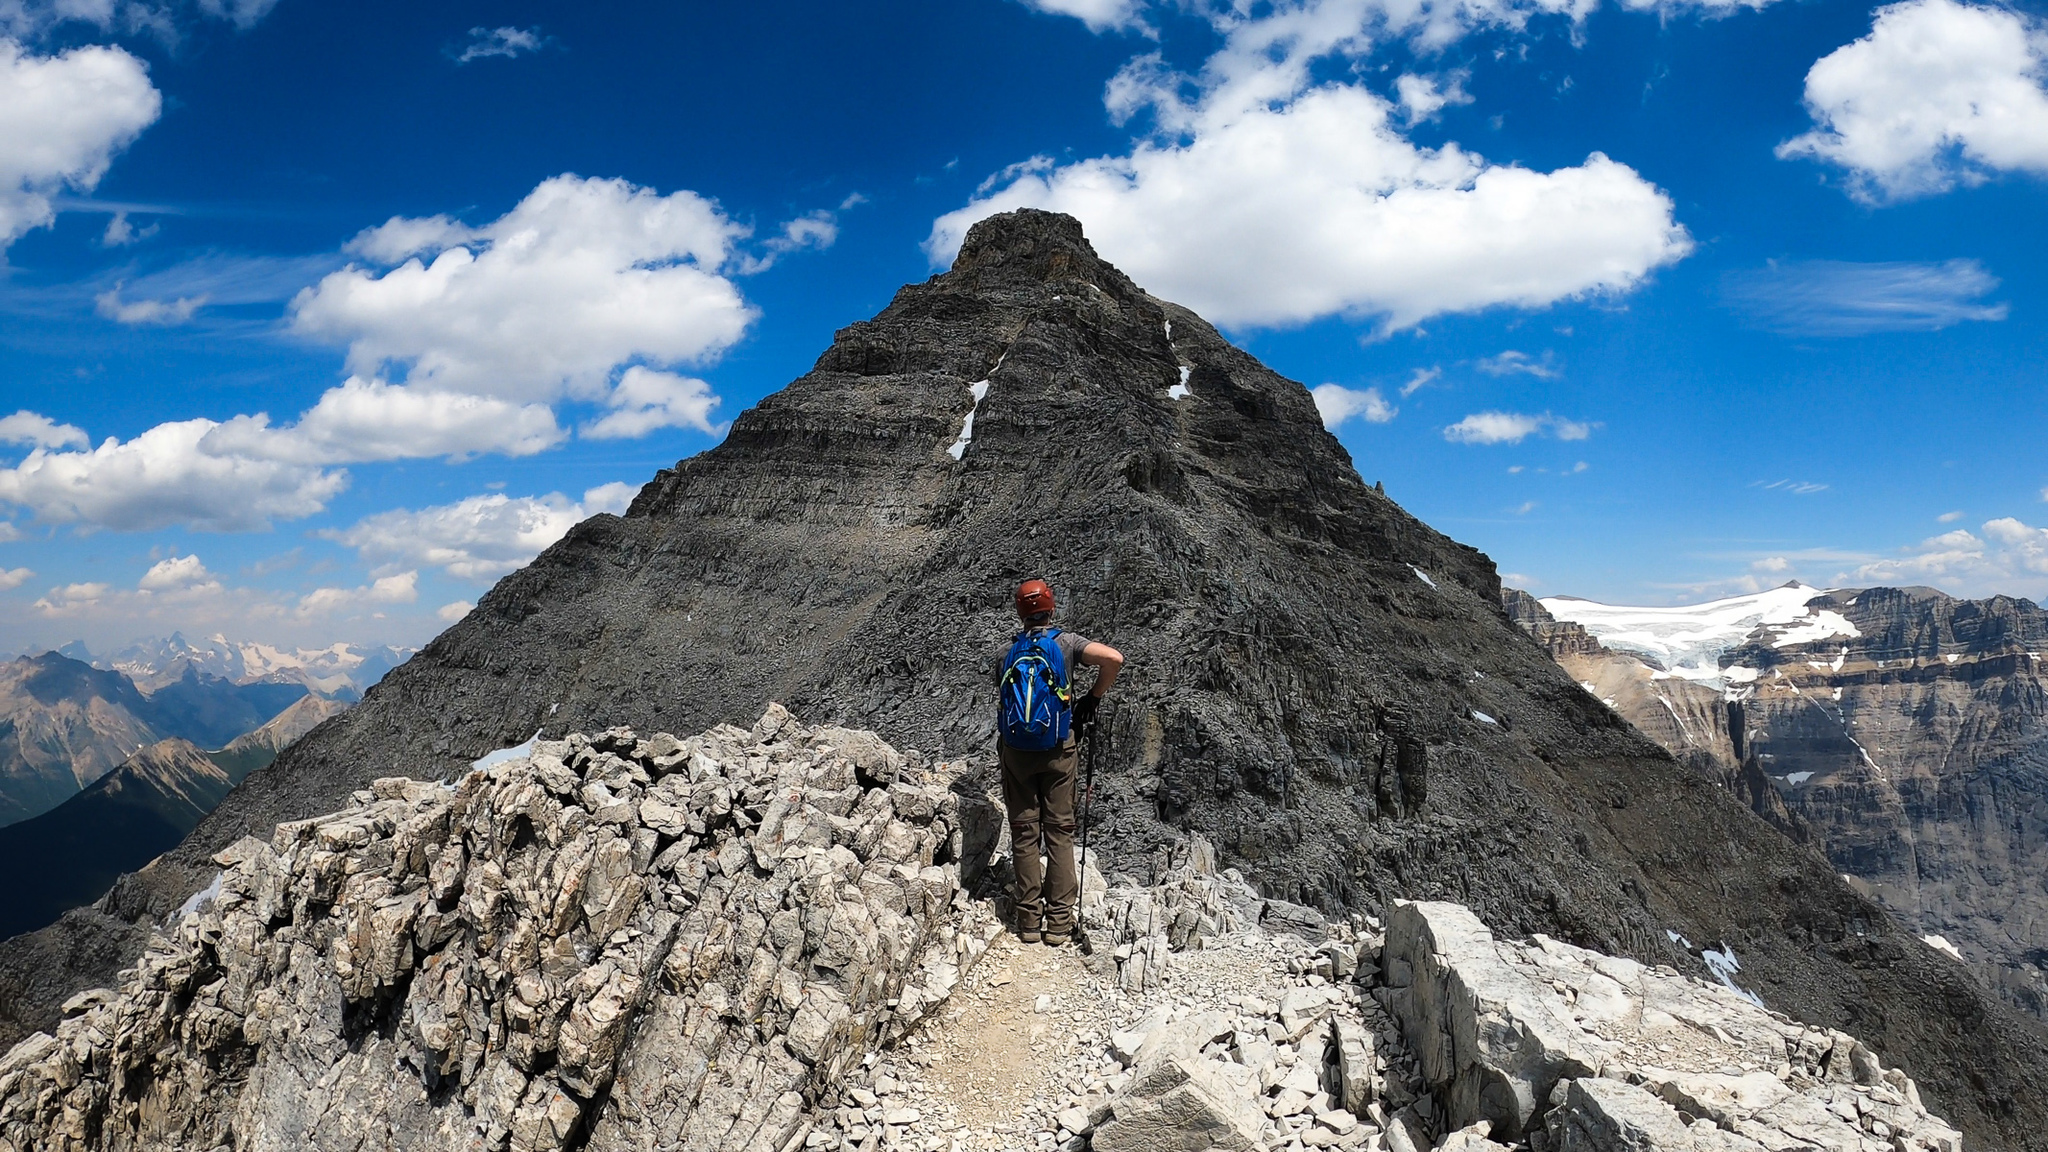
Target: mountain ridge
[1911,741]
[1321,685]
[339,670]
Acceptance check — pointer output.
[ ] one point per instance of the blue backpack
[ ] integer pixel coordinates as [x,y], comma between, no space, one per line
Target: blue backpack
[1035,715]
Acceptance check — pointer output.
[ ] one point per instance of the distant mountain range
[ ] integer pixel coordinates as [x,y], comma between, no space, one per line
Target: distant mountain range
[71,854]
[1901,730]
[67,717]
[342,671]
[64,724]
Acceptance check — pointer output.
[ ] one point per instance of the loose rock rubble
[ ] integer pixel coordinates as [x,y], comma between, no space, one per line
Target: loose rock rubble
[758,941]
[1270,1029]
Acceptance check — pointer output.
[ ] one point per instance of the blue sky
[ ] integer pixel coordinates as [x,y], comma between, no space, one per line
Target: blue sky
[318,318]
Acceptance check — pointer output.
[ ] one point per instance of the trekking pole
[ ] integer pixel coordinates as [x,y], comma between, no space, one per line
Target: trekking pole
[1086,945]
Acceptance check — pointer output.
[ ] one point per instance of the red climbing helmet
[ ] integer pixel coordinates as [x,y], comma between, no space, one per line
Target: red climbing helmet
[1033,598]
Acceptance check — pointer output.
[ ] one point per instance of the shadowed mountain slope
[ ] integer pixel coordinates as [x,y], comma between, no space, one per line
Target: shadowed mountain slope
[71,854]
[1300,647]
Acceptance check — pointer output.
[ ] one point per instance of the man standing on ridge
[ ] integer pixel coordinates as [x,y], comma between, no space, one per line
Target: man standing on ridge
[1038,718]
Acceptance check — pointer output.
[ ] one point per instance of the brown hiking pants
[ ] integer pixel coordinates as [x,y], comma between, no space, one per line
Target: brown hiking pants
[1038,790]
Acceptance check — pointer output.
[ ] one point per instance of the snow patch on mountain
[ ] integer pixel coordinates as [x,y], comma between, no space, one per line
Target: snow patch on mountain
[1690,641]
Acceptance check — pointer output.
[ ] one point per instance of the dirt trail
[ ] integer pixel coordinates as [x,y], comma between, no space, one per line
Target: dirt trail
[994,1053]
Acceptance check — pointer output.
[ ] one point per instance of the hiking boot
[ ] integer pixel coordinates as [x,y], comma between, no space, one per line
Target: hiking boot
[1056,939]
[1028,935]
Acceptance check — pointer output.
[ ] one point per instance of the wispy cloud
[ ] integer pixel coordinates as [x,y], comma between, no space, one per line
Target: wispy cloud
[485,43]
[1794,487]
[1839,298]
[120,233]
[1515,427]
[1423,378]
[1513,363]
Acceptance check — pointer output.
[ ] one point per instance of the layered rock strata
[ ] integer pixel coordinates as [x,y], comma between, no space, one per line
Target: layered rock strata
[1910,742]
[612,943]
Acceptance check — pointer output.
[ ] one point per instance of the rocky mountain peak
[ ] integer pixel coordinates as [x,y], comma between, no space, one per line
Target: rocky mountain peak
[1029,243]
[1320,685]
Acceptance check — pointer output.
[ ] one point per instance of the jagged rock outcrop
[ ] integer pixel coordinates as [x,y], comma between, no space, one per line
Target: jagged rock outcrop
[615,943]
[1910,740]
[1321,685]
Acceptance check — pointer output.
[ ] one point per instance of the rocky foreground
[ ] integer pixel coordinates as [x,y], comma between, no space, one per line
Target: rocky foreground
[760,941]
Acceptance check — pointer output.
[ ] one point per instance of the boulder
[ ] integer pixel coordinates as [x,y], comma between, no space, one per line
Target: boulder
[1177,1103]
[1490,1043]
[1604,1053]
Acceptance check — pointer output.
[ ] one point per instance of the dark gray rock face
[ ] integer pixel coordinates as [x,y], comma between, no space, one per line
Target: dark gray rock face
[835,555]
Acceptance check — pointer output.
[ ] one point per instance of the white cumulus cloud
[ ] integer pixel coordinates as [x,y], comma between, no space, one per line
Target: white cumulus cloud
[453,610]
[644,400]
[1269,199]
[163,19]
[402,588]
[178,574]
[163,477]
[373,420]
[39,431]
[1099,15]
[132,312]
[121,232]
[12,578]
[581,276]
[72,599]
[1422,97]
[588,291]
[1939,93]
[62,118]
[1337,404]
[2005,556]
[479,538]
